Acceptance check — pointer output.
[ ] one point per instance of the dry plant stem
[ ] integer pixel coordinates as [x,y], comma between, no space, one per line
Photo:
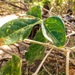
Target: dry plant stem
[7,2]
[68,22]
[67,63]
[50,11]
[66,43]
[25,45]
[70,34]
[7,51]
[46,70]
[44,44]
[36,72]
[73,48]
[47,45]
[72,61]
[50,46]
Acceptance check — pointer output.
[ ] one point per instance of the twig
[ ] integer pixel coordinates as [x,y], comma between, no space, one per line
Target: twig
[70,34]
[68,22]
[50,46]
[72,61]
[66,42]
[73,56]
[67,63]
[14,5]
[45,44]
[46,70]
[6,51]
[73,48]
[50,11]
[42,62]
[23,44]
[57,67]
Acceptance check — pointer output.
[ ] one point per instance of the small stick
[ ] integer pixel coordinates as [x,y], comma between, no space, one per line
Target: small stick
[42,62]
[67,63]
[7,51]
[46,70]
[45,44]
[23,44]
[73,48]
[7,2]
[70,34]
[48,45]
[66,43]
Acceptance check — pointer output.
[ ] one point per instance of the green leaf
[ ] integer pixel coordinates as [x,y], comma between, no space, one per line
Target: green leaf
[33,12]
[36,51]
[54,30]
[12,67]
[29,16]
[16,30]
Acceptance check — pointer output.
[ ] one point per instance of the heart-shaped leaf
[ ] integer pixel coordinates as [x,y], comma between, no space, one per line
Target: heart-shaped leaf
[36,51]
[33,12]
[12,67]
[16,30]
[54,30]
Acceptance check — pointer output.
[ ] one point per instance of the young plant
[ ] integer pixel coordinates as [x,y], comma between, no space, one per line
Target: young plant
[52,29]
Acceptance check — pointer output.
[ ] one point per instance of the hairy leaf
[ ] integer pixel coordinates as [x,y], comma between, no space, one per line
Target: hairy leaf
[36,51]
[54,30]
[12,67]
[16,30]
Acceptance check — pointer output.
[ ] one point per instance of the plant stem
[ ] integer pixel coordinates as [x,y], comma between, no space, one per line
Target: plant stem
[70,34]
[6,51]
[64,49]
[45,44]
[43,61]
[67,63]
[46,70]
